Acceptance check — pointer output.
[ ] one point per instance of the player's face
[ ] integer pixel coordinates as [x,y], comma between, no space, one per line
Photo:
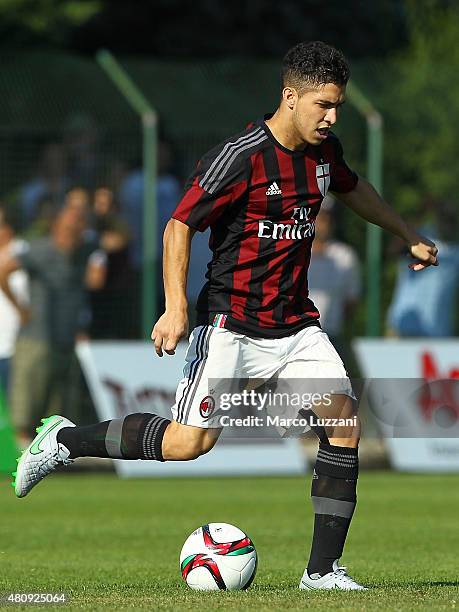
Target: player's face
[316,111]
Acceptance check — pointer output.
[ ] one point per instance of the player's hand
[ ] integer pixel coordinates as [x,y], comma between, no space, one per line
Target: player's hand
[425,251]
[169,328]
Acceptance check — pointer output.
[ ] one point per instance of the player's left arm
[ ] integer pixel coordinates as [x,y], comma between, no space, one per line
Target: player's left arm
[364,200]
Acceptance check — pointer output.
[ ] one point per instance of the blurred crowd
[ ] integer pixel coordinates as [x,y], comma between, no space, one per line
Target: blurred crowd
[71,267]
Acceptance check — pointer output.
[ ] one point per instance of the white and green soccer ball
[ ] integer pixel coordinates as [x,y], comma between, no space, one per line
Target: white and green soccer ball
[218,556]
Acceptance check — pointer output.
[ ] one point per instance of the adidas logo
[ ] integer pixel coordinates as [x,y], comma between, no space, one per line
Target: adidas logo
[273,189]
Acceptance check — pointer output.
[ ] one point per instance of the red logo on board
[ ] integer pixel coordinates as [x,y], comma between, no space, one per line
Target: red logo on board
[440,391]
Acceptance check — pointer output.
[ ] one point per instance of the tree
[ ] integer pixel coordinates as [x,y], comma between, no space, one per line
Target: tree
[25,23]
[204,28]
[421,107]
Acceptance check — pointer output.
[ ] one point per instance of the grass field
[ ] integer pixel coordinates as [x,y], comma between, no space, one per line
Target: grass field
[114,545]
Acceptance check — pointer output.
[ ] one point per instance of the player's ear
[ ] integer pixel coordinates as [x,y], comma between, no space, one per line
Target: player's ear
[289,96]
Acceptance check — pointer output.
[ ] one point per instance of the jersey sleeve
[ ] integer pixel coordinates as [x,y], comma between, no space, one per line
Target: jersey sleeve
[219,180]
[342,178]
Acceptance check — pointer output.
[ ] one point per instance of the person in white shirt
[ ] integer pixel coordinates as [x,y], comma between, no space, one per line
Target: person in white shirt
[10,317]
[334,276]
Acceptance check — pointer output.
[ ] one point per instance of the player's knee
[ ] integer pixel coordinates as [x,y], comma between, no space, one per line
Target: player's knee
[349,442]
[208,443]
[192,449]
[348,436]
[189,451]
[187,444]
[201,446]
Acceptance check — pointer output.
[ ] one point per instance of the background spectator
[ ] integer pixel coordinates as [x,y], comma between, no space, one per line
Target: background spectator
[48,185]
[131,200]
[131,194]
[426,304]
[46,210]
[78,199]
[44,365]
[10,317]
[112,306]
[334,277]
[82,145]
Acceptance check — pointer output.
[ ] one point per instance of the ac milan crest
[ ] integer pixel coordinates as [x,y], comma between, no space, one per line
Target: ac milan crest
[323,178]
[206,407]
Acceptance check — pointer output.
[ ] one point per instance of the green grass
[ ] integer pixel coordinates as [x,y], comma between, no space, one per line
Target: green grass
[114,544]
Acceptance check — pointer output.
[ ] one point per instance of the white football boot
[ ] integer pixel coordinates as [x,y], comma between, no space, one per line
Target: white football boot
[336,579]
[42,456]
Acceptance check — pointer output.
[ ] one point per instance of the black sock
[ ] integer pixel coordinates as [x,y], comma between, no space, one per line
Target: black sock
[137,436]
[333,494]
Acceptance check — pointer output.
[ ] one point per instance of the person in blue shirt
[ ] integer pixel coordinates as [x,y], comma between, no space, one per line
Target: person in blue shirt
[424,305]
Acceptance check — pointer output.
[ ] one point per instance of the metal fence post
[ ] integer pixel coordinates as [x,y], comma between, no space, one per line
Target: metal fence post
[374,122]
[149,120]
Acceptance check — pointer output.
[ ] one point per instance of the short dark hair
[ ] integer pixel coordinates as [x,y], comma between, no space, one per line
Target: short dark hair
[313,64]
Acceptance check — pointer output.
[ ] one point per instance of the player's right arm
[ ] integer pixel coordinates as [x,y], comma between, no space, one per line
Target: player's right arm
[173,324]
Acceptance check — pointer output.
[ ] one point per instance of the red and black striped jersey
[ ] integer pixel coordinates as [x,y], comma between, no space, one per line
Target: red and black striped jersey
[260,201]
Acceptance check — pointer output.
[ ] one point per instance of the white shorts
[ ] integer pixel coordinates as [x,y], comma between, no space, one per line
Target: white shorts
[216,354]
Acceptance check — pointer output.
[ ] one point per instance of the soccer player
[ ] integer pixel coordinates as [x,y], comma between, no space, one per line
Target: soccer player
[259,192]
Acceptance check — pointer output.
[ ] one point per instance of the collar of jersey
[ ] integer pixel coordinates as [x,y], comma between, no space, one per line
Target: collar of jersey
[261,123]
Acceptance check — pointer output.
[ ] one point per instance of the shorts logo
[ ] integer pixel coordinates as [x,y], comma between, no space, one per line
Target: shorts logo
[219,320]
[206,407]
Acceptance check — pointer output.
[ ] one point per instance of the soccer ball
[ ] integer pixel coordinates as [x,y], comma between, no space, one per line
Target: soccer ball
[218,556]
